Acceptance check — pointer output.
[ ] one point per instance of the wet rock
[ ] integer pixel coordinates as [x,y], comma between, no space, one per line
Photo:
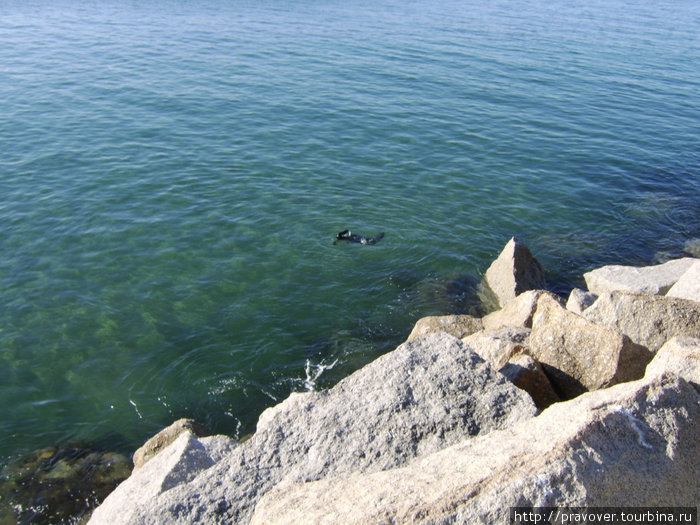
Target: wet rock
[692,247]
[635,444]
[59,484]
[648,320]
[458,326]
[427,394]
[655,280]
[688,286]
[578,355]
[166,436]
[518,311]
[512,273]
[527,374]
[579,300]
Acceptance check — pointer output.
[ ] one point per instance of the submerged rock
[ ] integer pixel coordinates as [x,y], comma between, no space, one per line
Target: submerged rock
[427,394]
[692,247]
[59,484]
[512,273]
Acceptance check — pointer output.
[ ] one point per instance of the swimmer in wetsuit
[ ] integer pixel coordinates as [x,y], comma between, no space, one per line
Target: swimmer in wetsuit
[347,235]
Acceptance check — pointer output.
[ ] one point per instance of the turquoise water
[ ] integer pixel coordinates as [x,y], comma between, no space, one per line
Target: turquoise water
[173,175]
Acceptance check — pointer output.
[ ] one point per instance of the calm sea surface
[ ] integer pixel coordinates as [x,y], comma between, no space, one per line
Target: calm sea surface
[172,176]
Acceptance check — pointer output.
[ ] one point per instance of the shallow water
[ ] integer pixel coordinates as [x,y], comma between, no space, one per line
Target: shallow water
[173,175]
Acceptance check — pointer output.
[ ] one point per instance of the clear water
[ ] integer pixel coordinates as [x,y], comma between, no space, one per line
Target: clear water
[172,175]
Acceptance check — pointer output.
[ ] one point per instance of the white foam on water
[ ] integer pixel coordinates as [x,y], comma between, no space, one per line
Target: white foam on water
[314,371]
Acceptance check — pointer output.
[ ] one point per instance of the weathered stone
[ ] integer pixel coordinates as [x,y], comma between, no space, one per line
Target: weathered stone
[527,374]
[176,464]
[512,273]
[578,355]
[680,356]
[635,444]
[166,436]
[517,312]
[579,300]
[458,326]
[656,279]
[497,346]
[429,393]
[648,320]
[688,286]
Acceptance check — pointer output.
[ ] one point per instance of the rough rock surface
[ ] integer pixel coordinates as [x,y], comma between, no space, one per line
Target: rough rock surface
[579,300]
[578,355]
[680,356]
[498,346]
[517,312]
[646,279]
[527,374]
[458,326]
[166,436]
[635,444]
[688,286]
[648,320]
[512,273]
[181,461]
[429,393]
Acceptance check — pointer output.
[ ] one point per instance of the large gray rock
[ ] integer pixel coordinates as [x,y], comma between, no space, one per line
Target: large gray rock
[656,279]
[680,356]
[458,326]
[579,300]
[512,273]
[648,320]
[506,350]
[517,312]
[527,374]
[498,346]
[178,463]
[688,286]
[635,444]
[429,393]
[578,355]
[166,436]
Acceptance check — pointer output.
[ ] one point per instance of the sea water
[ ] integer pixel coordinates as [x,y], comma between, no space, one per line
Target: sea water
[173,174]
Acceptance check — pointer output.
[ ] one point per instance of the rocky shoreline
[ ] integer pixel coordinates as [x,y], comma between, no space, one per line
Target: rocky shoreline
[592,402]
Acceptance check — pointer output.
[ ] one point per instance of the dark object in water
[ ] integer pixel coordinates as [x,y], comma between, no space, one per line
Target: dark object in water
[347,235]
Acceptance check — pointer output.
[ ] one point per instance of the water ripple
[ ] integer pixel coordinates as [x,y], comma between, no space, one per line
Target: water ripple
[173,176]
